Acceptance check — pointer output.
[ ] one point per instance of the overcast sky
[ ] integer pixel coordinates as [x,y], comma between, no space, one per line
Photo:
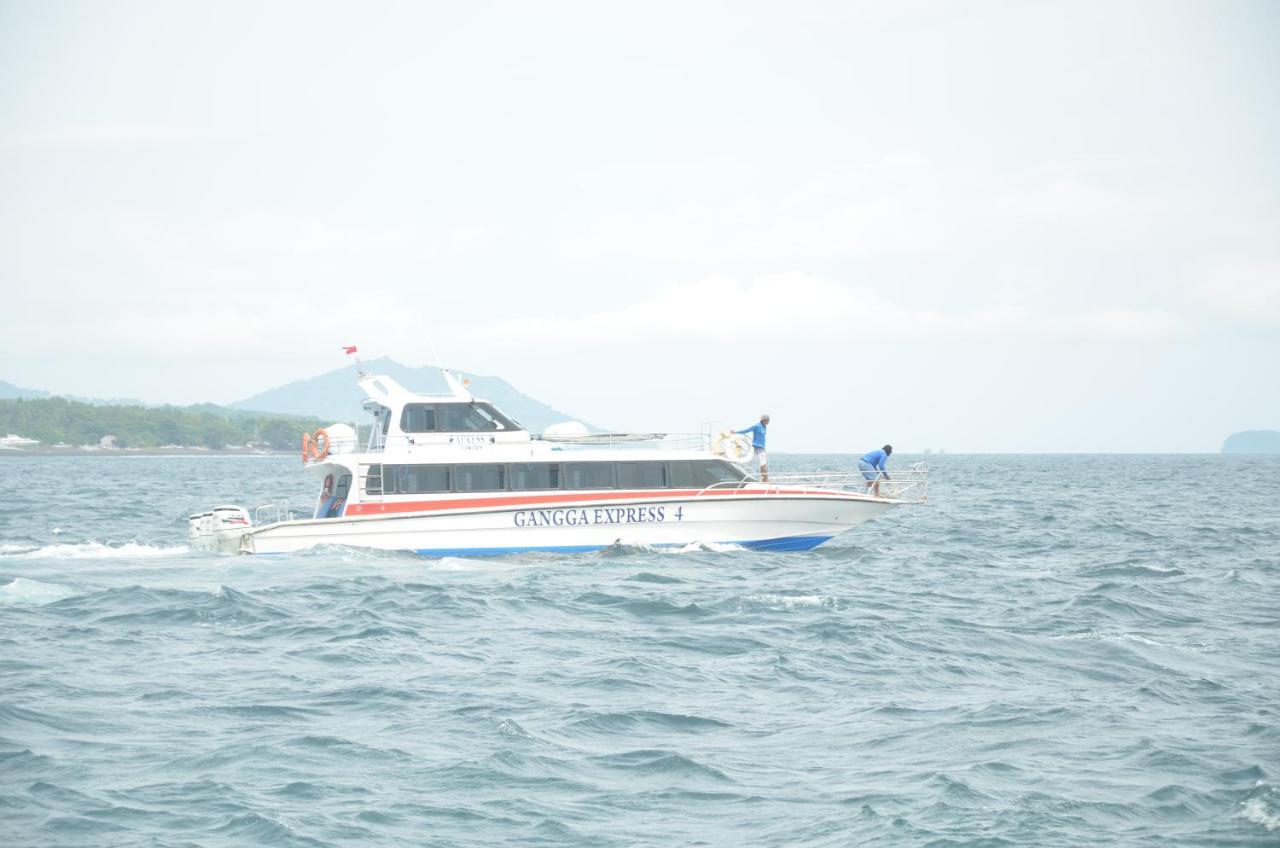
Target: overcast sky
[981,227]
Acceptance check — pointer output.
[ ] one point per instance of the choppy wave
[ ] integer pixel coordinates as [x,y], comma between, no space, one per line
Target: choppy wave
[1042,656]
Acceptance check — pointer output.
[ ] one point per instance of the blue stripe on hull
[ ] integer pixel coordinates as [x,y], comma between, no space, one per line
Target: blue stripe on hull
[786,543]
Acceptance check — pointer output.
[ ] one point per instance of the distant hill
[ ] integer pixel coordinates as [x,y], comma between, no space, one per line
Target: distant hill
[9,390]
[1253,441]
[335,397]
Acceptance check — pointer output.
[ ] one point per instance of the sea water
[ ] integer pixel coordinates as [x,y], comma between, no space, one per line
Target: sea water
[1055,650]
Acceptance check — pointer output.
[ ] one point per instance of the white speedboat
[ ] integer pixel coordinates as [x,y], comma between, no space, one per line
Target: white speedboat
[452,475]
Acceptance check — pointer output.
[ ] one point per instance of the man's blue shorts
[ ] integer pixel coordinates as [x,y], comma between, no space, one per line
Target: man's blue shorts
[868,470]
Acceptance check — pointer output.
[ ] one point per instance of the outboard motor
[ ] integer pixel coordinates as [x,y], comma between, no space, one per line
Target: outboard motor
[218,530]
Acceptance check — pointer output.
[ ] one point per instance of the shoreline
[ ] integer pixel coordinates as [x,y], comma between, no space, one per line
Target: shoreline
[118,452]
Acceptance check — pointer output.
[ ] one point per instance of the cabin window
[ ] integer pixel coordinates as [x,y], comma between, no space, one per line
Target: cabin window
[418,418]
[699,474]
[707,472]
[682,475]
[453,418]
[588,475]
[535,475]
[415,479]
[642,475]
[470,418]
[480,478]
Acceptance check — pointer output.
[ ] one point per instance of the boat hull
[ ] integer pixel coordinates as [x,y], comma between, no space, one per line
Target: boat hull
[764,522]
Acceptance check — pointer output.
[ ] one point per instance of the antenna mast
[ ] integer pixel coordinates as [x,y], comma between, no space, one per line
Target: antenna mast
[350,350]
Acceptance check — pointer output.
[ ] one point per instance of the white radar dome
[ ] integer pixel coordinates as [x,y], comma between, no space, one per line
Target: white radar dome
[566,428]
[342,438]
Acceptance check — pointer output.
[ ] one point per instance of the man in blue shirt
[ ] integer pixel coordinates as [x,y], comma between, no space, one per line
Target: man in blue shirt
[872,467]
[757,432]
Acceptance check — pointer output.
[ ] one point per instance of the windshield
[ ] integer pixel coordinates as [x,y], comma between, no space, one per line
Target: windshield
[453,418]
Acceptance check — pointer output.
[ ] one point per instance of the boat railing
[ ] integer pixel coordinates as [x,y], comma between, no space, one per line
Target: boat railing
[640,441]
[270,513]
[376,442]
[901,485]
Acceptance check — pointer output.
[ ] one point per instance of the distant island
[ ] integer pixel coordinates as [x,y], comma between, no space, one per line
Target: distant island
[1253,441]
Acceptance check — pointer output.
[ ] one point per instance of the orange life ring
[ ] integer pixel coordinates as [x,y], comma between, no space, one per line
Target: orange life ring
[319,452]
[315,448]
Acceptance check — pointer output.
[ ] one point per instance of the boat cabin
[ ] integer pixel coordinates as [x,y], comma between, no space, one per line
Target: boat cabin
[459,445]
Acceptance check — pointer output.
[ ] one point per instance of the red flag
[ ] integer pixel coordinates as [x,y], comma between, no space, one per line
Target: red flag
[350,349]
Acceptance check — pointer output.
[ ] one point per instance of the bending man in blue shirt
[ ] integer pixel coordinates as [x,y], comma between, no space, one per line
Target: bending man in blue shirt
[757,432]
[872,467]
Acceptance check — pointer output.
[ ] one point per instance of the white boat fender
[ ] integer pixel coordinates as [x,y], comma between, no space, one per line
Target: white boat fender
[732,446]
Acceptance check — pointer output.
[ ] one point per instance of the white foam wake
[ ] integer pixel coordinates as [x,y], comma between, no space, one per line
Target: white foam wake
[1258,811]
[714,547]
[97,550]
[792,601]
[453,563]
[24,591]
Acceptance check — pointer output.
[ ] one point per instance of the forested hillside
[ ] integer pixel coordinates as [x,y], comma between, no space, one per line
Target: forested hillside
[54,420]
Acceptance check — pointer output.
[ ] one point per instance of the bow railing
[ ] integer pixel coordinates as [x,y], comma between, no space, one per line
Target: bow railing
[900,485]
